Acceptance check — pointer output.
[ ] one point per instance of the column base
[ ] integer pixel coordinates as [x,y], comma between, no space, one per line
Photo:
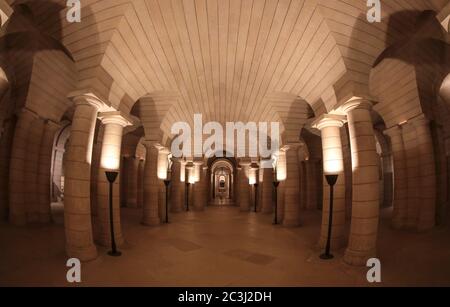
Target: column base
[291,223]
[267,210]
[18,220]
[151,222]
[33,218]
[397,224]
[131,204]
[45,218]
[83,254]
[357,258]
[176,210]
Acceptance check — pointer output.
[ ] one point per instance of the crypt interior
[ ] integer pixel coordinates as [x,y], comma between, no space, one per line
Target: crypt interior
[368,102]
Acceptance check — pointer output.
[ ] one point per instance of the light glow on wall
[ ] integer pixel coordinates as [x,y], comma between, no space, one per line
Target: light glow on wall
[332,167]
[252,177]
[183,171]
[112,138]
[281,170]
[163,163]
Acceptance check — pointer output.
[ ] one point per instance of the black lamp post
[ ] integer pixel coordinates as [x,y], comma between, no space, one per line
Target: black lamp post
[112,176]
[276,184]
[188,184]
[167,184]
[331,179]
[256,196]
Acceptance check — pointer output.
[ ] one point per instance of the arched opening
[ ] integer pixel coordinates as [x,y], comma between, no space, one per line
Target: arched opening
[222,183]
[57,173]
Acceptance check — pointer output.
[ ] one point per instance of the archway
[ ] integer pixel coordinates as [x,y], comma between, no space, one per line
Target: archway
[222,179]
[57,173]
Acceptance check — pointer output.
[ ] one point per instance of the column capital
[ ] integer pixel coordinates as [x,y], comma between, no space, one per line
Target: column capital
[150,144]
[162,149]
[291,146]
[115,118]
[245,162]
[329,120]
[357,103]
[87,97]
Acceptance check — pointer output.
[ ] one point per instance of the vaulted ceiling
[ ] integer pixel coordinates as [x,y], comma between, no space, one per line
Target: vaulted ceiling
[227,59]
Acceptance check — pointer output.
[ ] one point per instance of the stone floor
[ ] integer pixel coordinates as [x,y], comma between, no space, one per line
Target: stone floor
[221,247]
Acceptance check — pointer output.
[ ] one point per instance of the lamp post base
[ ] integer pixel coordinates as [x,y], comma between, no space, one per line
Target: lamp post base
[326,257]
[115,254]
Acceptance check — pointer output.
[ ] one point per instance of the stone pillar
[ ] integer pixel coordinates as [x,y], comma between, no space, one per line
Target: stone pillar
[6,142]
[333,164]
[19,156]
[140,189]
[366,202]
[244,187]
[113,123]
[267,191]
[427,172]
[311,184]
[78,158]
[31,169]
[291,193]
[200,187]
[400,214]
[412,169]
[177,187]
[44,171]
[132,182]
[151,185]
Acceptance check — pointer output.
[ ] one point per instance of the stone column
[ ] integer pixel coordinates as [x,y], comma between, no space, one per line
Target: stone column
[200,187]
[140,185]
[6,142]
[333,164]
[19,156]
[412,169]
[400,214]
[291,192]
[31,170]
[267,191]
[132,182]
[366,202]
[44,171]
[177,187]
[427,172]
[311,185]
[113,122]
[78,158]
[151,185]
[244,187]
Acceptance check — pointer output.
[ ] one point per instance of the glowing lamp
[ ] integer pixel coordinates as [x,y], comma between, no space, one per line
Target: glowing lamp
[163,163]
